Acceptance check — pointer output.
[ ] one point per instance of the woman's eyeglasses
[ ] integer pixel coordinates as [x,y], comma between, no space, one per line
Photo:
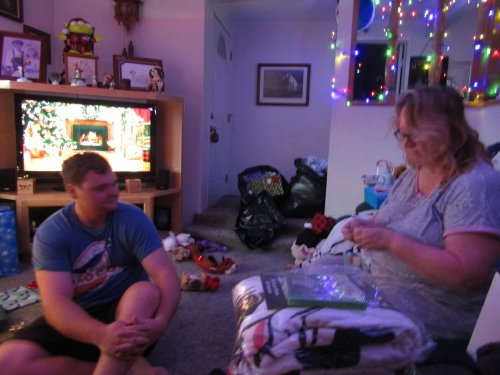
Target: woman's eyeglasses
[402,136]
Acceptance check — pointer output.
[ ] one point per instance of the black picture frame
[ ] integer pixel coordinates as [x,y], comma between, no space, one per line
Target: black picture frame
[283,84]
[12,9]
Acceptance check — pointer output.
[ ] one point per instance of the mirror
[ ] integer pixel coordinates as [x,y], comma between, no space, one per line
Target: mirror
[384,67]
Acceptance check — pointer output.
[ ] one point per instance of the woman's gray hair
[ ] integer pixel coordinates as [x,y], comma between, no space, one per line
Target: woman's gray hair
[437,114]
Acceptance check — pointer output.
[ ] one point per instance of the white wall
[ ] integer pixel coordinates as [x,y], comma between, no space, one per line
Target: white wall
[41,20]
[360,135]
[276,135]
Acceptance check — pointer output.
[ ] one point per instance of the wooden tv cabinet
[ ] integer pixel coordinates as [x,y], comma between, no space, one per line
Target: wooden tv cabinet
[168,149]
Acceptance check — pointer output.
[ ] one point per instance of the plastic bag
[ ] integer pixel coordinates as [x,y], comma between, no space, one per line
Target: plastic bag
[307,192]
[259,220]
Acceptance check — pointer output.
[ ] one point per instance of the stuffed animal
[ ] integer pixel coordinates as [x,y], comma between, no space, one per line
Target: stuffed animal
[210,264]
[176,245]
[201,283]
[172,240]
[181,253]
[206,245]
[78,37]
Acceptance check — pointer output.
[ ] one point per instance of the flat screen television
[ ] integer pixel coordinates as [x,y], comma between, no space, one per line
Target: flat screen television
[50,129]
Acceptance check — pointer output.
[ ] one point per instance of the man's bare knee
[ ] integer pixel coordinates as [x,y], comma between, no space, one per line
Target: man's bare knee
[15,356]
[139,296]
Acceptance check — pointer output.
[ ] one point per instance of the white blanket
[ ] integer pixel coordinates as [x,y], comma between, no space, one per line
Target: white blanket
[316,340]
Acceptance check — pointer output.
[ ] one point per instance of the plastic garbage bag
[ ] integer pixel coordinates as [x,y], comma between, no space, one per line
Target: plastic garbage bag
[307,192]
[259,220]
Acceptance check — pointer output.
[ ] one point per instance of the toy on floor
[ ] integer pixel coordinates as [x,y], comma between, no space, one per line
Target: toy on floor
[173,240]
[201,283]
[210,264]
[206,245]
[176,244]
[181,253]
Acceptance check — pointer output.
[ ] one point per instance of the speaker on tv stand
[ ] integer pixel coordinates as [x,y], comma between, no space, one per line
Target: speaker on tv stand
[8,179]
[162,179]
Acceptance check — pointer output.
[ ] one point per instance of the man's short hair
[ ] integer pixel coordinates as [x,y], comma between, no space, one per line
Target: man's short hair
[76,167]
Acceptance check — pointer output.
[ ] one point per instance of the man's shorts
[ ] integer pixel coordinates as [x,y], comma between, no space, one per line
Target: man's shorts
[41,333]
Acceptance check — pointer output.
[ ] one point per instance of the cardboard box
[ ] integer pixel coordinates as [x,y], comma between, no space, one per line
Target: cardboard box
[133,185]
[9,258]
[26,185]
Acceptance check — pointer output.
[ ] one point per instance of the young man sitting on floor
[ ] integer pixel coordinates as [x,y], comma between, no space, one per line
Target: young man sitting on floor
[107,286]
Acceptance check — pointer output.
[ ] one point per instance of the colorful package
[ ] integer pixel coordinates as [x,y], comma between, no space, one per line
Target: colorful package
[9,257]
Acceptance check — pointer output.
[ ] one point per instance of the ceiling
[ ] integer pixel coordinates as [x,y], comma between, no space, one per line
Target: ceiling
[297,10]
[279,10]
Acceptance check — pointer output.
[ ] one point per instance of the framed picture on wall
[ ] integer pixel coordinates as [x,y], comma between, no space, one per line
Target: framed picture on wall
[283,84]
[23,55]
[136,69]
[12,9]
[80,69]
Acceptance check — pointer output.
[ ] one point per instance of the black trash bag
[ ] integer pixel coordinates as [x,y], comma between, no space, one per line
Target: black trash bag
[259,220]
[254,180]
[307,192]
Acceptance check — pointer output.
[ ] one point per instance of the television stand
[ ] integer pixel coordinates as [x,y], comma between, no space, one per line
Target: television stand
[168,151]
[146,198]
[58,188]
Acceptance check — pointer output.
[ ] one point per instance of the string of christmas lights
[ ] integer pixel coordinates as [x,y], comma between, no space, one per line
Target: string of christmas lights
[417,11]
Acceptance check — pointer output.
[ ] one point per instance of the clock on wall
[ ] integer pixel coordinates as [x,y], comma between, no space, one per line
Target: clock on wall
[127,12]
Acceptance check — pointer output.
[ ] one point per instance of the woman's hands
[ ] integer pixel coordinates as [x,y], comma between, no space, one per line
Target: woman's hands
[367,235]
[465,262]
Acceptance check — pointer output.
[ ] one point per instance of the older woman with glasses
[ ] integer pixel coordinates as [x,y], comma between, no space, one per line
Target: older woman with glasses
[434,242]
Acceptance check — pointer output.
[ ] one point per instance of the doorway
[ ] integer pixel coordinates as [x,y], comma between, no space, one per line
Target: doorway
[219,112]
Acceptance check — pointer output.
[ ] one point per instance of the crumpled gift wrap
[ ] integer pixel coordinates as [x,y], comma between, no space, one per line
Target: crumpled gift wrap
[15,298]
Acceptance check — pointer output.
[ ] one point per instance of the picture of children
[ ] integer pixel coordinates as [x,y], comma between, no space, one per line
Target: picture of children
[14,58]
[21,57]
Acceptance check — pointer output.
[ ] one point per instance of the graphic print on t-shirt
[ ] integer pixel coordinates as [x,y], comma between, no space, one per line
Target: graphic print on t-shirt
[92,268]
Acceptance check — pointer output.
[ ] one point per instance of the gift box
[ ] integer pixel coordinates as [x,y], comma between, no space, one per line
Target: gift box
[26,185]
[269,182]
[373,197]
[9,259]
[133,185]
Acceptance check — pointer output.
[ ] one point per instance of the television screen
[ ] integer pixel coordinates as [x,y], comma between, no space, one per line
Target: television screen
[51,129]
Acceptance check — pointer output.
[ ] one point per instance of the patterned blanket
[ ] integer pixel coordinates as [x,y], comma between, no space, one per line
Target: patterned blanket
[319,340]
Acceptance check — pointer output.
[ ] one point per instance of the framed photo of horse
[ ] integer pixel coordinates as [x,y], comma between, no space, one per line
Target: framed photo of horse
[283,84]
